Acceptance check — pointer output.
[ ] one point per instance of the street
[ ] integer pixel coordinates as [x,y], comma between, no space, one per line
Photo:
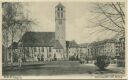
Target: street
[62,68]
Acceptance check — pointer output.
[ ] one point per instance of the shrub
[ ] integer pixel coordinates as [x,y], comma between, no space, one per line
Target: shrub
[102,62]
[81,61]
[72,58]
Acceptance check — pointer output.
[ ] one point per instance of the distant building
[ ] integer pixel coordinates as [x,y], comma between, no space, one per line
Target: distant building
[85,51]
[120,51]
[106,47]
[78,50]
[72,49]
[120,47]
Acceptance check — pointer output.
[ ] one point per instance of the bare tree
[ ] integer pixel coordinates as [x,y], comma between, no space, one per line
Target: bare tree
[14,22]
[110,16]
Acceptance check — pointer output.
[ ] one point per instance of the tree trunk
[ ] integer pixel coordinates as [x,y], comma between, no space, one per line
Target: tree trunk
[6,53]
[12,49]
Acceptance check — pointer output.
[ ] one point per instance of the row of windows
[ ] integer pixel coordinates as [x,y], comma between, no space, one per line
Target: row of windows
[40,49]
[37,49]
[58,50]
[60,9]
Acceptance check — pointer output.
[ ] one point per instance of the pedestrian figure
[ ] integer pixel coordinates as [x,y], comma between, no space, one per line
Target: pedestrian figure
[42,57]
[38,57]
[20,62]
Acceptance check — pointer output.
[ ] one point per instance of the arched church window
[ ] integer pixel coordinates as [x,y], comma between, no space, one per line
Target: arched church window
[61,9]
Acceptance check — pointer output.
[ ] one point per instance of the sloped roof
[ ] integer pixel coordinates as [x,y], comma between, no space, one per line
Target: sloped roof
[71,44]
[38,39]
[14,45]
[57,45]
[103,42]
[84,45]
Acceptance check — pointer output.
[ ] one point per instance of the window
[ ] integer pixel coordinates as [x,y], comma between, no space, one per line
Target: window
[61,9]
[59,50]
[42,49]
[58,9]
[34,49]
[28,49]
[58,14]
[61,15]
[49,49]
[39,48]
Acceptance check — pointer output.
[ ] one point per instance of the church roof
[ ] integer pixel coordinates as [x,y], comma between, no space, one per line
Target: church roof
[38,39]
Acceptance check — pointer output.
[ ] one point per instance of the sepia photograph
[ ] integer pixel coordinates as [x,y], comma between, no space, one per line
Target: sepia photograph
[59,38]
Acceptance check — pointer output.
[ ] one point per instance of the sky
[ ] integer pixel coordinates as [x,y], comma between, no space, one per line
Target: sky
[77,20]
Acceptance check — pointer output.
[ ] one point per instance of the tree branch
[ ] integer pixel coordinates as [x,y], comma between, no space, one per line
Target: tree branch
[121,13]
[109,17]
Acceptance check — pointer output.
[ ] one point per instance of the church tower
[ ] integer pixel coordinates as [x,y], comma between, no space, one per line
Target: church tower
[60,26]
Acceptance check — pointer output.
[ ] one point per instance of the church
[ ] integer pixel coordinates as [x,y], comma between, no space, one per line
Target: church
[46,45]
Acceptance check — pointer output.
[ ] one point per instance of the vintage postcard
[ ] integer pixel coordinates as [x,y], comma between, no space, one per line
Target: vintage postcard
[59,39]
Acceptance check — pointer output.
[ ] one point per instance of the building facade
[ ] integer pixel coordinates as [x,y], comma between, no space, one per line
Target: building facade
[40,46]
[72,50]
[85,51]
[106,47]
[120,51]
